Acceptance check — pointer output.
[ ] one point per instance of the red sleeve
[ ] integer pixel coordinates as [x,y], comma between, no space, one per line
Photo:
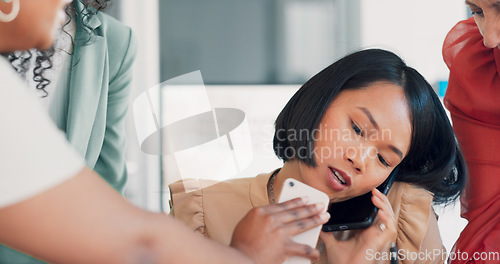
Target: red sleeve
[474,82]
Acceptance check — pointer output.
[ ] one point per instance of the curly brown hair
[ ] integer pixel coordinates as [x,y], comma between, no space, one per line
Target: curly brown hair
[20,60]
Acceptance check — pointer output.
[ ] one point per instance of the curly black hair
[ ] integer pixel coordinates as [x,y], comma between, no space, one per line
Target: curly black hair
[20,60]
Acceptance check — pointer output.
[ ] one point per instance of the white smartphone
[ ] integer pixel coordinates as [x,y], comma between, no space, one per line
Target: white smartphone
[294,189]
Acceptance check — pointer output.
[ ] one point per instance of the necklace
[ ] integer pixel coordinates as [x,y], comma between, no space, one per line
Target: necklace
[271,182]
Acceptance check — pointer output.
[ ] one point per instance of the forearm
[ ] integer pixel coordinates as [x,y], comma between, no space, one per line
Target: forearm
[186,246]
[84,221]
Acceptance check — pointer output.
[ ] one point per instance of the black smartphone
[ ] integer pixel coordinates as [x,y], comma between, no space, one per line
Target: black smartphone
[358,212]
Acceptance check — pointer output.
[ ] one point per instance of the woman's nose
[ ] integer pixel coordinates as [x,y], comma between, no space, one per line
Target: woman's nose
[357,157]
[491,32]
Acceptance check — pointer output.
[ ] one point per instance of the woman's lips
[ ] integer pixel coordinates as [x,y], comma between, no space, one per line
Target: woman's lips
[338,179]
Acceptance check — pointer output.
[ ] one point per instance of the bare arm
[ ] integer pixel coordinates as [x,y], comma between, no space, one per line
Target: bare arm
[83,220]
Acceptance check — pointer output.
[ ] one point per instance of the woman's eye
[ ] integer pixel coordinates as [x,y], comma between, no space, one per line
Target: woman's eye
[356,129]
[382,160]
[477,12]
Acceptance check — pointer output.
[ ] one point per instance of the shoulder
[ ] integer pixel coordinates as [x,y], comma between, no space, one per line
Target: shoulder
[114,30]
[186,203]
[121,44]
[412,207]
[204,204]
[465,28]
[463,41]
[189,189]
[46,150]
[407,193]
[116,34]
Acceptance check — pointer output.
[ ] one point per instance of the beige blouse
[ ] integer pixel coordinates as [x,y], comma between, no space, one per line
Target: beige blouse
[215,208]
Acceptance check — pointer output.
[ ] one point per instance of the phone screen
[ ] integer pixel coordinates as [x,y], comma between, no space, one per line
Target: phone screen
[358,212]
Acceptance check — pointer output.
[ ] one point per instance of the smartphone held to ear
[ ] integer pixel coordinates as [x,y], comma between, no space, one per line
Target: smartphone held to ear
[358,212]
[355,213]
[294,189]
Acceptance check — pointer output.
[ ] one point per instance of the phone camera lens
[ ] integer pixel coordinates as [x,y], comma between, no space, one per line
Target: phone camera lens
[292,184]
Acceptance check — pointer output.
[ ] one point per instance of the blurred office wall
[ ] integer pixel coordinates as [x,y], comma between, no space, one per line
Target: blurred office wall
[287,41]
[248,42]
[413,29]
[143,186]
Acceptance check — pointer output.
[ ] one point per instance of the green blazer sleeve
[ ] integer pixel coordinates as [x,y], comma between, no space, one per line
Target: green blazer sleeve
[111,161]
[100,84]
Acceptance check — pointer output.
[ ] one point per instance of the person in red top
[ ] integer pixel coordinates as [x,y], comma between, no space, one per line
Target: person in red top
[471,52]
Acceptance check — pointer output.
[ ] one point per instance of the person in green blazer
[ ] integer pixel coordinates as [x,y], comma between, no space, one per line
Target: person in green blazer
[89,92]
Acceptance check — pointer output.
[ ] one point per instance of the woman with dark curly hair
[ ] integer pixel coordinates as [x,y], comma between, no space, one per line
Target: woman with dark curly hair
[84,82]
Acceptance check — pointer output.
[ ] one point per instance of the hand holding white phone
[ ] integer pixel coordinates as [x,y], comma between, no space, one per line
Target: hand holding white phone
[294,189]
